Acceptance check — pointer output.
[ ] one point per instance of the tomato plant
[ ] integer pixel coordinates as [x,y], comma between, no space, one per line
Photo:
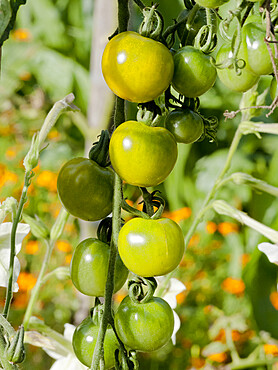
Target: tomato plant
[89,266]
[142,155]
[186,125]
[84,341]
[187,33]
[137,68]
[151,247]
[86,189]
[240,83]
[193,73]
[257,56]
[144,326]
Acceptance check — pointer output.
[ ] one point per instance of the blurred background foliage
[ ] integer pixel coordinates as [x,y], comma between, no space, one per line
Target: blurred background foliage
[230,284]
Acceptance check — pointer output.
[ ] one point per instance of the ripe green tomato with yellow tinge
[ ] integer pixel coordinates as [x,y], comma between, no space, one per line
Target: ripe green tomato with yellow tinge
[151,247]
[228,76]
[137,68]
[86,189]
[145,326]
[84,342]
[142,155]
[89,267]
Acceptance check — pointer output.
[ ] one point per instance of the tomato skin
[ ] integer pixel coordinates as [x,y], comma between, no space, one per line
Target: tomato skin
[84,341]
[258,59]
[186,126]
[211,3]
[89,267]
[86,189]
[137,68]
[229,77]
[151,247]
[142,155]
[146,326]
[193,72]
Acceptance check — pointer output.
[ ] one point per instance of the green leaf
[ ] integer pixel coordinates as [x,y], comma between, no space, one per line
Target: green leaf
[260,277]
[5,15]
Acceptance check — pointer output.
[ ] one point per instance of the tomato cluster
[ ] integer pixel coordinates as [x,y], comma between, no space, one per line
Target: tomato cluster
[143,153]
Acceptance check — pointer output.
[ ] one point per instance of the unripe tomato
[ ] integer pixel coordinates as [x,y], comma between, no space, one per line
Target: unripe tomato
[89,267]
[86,189]
[211,3]
[228,76]
[146,326]
[193,73]
[84,342]
[186,126]
[137,68]
[257,57]
[151,247]
[142,155]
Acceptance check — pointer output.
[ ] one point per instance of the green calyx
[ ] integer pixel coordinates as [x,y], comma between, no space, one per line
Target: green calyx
[152,24]
[141,290]
[15,351]
[96,312]
[99,151]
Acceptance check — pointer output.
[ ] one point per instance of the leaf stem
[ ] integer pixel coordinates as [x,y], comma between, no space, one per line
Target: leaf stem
[5,363]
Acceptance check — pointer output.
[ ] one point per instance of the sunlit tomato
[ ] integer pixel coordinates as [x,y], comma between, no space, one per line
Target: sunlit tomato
[144,326]
[257,57]
[84,342]
[151,247]
[211,3]
[86,189]
[137,68]
[142,155]
[89,266]
[228,76]
[186,126]
[193,73]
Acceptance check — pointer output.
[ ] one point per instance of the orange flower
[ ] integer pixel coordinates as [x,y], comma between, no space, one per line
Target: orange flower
[218,357]
[179,214]
[25,76]
[271,349]
[47,179]
[245,258]
[119,296]
[195,239]
[274,299]
[68,258]
[181,297]
[63,246]
[32,247]
[233,286]
[26,281]
[211,227]
[10,153]
[20,300]
[54,135]
[22,34]
[226,228]
[197,363]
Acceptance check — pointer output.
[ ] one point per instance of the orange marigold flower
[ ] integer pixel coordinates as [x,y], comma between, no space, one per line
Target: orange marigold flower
[47,179]
[245,258]
[68,258]
[10,177]
[218,357]
[10,153]
[274,299]
[32,247]
[54,134]
[195,239]
[271,349]
[20,300]
[211,227]
[197,363]
[179,214]
[181,297]
[226,228]
[22,34]
[63,246]
[26,281]
[233,285]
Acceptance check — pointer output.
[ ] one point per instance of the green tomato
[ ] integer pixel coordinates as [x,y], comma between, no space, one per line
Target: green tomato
[193,73]
[211,3]
[86,189]
[142,155]
[146,326]
[84,342]
[257,57]
[89,267]
[186,126]
[151,247]
[228,76]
